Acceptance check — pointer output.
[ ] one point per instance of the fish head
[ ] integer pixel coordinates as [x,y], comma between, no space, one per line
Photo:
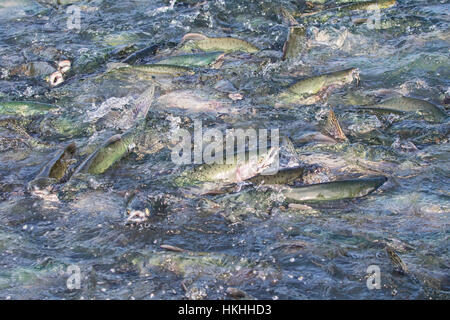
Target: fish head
[56,78]
[354,74]
[189,46]
[64,66]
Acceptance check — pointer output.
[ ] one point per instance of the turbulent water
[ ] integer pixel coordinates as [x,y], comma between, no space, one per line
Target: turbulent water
[249,240]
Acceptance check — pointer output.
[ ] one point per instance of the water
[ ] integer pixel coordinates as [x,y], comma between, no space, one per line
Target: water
[246,240]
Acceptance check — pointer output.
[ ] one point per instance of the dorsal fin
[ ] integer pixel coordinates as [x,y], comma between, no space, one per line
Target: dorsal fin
[193,36]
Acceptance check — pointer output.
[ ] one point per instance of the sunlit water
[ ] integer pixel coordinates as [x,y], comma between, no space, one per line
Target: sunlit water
[246,240]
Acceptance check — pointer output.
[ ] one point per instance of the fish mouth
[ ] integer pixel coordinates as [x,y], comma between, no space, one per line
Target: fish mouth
[56,78]
[355,73]
[137,216]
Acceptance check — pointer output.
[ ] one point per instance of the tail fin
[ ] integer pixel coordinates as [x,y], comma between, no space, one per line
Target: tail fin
[332,127]
[143,103]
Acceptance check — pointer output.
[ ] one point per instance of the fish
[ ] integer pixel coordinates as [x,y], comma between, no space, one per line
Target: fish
[313,89]
[225,44]
[193,60]
[33,69]
[114,149]
[369,5]
[55,169]
[191,264]
[64,66]
[241,168]
[336,190]
[333,128]
[136,56]
[192,101]
[287,17]
[143,103]
[420,133]
[315,84]
[399,265]
[372,5]
[430,111]
[295,42]
[152,69]
[56,78]
[26,108]
[283,176]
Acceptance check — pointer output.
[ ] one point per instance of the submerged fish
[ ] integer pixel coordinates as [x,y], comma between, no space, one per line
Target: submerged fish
[26,108]
[287,17]
[192,101]
[313,89]
[56,169]
[399,265]
[188,264]
[193,60]
[402,104]
[370,5]
[147,51]
[337,190]
[419,132]
[201,42]
[295,42]
[33,69]
[32,276]
[152,69]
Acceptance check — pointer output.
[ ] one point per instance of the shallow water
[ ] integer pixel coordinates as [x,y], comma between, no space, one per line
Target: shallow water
[248,240]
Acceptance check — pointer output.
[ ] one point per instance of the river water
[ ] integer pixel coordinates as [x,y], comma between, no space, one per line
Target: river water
[246,240]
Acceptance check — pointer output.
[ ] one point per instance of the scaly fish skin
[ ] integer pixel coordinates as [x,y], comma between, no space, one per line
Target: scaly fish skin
[26,108]
[165,69]
[370,5]
[308,90]
[153,69]
[408,104]
[295,43]
[193,60]
[399,265]
[337,190]
[59,167]
[234,172]
[283,176]
[373,5]
[200,42]
[111,151]
[56,169]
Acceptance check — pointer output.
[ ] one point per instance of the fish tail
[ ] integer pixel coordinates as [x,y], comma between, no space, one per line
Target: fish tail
[333,128]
